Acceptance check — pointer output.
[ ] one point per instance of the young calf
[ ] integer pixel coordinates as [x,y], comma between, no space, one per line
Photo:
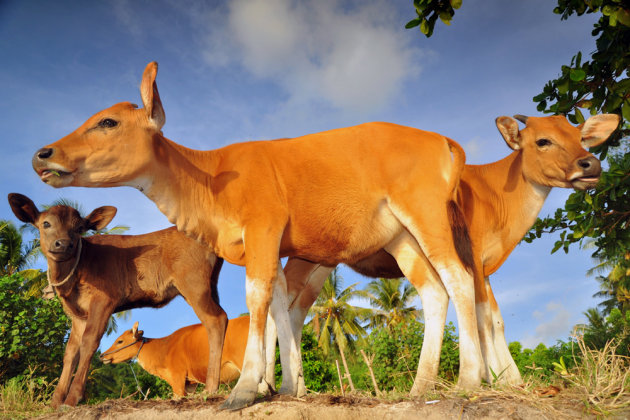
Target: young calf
[99,275]
[181,358]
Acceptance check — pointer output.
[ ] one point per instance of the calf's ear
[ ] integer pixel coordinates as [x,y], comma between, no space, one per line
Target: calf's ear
[23,208]
[100,218]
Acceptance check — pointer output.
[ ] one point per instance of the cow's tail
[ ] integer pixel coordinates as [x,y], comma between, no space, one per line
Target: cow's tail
[459,228]
[214,280]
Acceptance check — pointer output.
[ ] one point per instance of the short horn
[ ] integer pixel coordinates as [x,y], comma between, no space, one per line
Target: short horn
[521,118]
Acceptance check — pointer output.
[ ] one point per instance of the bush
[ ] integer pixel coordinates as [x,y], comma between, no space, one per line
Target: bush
[319,373]
[33,332]
[397,352]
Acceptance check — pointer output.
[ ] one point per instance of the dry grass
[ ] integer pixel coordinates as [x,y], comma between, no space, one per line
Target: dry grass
[25,397]
[601,379]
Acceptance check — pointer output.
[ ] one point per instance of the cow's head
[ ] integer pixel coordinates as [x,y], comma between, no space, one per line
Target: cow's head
[112,148]
[60,227]
[125,347]
[553,150]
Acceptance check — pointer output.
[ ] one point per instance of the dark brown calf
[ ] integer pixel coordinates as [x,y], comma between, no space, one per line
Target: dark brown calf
[99,275]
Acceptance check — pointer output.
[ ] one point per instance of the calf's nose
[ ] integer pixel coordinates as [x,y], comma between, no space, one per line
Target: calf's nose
[62,245]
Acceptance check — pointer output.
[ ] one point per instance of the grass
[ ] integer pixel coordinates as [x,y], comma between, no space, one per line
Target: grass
[598,384]
[25,397]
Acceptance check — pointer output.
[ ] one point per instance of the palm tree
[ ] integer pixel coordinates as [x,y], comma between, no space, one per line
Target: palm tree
[334,319]
[15,255]
[392,299]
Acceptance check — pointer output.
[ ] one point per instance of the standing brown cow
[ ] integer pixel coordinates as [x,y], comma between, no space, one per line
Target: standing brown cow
[99,275]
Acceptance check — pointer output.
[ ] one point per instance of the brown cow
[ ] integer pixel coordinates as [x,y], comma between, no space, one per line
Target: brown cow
[99,275]
[332,197]
[181,358]
[501,201]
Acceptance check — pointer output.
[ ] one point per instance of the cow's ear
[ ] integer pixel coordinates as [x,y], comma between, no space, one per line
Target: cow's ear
[100,218]
[23,208]
[151,97]
[598,128]
[508,127]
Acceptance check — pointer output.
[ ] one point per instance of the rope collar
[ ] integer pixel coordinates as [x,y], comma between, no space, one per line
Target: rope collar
[74,267]
[143,340]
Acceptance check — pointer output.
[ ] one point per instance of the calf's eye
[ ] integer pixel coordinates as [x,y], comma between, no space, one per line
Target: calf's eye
[46,225]
[543,142]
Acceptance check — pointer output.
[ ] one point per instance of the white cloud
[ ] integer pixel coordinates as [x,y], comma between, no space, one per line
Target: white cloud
[354,59]
[555,323]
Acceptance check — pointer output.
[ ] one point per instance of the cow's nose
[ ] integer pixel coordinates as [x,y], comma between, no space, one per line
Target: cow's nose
[44,153]
[589,165]
[61,245]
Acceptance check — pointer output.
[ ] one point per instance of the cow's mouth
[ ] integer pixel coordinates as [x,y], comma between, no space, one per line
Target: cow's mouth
[47,174]
[584,182]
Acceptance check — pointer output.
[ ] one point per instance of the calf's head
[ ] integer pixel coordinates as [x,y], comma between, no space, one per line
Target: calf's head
[125,347]
[114,147]
[553,150]
[60,227]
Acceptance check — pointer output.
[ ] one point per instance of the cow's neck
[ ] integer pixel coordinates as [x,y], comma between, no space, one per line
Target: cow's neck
[150,356]
[514,203]
[179,182]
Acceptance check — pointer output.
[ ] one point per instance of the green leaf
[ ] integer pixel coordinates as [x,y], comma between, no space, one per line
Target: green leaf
[424,27]
[625,110]
[578,116]
[577,75]
[456,4]
[412,23]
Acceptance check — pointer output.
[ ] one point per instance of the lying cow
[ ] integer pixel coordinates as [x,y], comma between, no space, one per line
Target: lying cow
[99,275]
[181,358]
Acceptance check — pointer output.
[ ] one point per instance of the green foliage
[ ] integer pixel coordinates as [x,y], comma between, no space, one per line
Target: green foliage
[600,330]
[334,319]
[392,299]
[397,352]
[429,11]
[319,372]
[15,255]
[599,85]
[542,361]
[117,381]
[32,332]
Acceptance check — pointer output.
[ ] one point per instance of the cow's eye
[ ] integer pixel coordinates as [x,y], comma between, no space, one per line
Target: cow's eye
[108,123]
[119,342]
[46,225]
[543,142]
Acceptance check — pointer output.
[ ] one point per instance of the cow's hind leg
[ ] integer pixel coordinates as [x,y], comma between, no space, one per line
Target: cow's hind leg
[434,299]
[434,231]
[509,372]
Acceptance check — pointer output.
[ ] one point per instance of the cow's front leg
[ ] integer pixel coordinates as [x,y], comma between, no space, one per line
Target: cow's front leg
[261,273]
[94,329]
[70,359]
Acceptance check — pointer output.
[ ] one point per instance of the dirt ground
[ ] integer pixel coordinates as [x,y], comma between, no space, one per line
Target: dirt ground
[324,407]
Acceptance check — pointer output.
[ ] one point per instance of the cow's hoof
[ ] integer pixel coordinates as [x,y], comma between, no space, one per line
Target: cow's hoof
[238,401]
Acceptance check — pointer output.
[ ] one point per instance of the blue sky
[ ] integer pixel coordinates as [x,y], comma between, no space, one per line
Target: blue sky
[246,70]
